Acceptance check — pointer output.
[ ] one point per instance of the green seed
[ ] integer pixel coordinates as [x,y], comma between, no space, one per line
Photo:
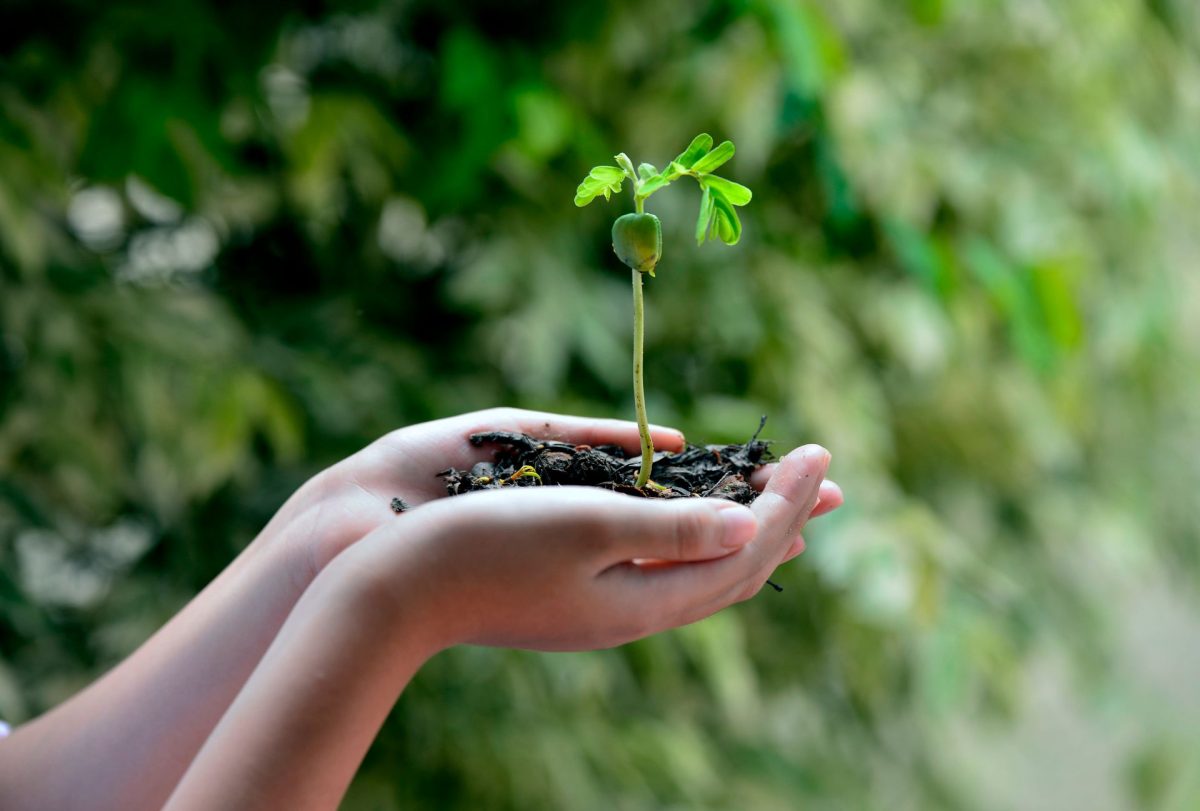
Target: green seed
[637,241]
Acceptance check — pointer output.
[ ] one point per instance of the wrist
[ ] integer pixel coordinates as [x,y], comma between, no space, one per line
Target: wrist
[394,599]
[327,514]
[300,725]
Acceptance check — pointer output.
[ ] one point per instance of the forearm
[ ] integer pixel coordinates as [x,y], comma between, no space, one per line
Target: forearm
[299,729]
[125,741]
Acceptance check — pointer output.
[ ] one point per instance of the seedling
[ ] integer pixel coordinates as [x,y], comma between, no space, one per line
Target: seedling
[637,237]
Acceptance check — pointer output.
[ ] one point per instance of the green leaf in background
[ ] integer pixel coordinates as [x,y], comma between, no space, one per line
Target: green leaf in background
[604,180]
[714,159]
[647,170]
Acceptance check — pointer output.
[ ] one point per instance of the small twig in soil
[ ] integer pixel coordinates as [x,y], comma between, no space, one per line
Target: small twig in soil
[761,424]
[717,486]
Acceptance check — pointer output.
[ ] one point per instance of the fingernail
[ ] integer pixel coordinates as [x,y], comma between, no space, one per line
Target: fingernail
[813,452]
[739,525]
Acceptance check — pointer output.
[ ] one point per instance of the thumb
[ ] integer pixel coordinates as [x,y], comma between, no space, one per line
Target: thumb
[685,529]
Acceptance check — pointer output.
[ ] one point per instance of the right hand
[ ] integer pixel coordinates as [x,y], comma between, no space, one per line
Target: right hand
[563,568]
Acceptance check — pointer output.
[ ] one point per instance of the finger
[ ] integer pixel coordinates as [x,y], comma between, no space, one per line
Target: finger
[823,507]
[421,450]
[788,500]
[759,478]
[577,430]
[680,530]
[785,505]
[829,498]
[690,591]
[460,453]
[795,549]
[614,528]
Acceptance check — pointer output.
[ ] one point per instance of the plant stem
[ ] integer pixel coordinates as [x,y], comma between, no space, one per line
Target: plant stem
[639,394]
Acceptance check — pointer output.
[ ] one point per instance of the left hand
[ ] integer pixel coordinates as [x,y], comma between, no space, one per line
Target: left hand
[353,497]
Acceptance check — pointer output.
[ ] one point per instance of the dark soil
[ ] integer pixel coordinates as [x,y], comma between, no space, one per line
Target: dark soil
[714,471]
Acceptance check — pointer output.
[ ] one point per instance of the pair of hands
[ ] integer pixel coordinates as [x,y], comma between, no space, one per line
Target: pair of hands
[555,568]
[267,689]
[549,568]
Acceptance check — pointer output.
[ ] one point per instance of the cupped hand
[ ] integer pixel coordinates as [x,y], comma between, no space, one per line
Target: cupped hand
[565,568]
[352,498]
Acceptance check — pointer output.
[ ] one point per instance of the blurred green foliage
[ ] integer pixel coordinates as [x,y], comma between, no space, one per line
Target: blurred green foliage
[237,243]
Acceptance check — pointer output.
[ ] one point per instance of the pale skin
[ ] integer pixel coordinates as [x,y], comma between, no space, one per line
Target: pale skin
[267,688]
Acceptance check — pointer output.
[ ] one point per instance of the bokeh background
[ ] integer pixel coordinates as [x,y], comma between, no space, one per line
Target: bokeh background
[240,241]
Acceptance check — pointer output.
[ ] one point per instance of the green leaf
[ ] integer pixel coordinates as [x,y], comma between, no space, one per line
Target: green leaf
[714,159]
[695,151]
[674,170]
[735,193]
[647,170]
[726,224]
[704,221]
[652,185]
[625,163]
[604,180]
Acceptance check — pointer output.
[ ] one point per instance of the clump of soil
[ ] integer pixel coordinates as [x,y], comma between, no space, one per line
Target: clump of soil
[713,471]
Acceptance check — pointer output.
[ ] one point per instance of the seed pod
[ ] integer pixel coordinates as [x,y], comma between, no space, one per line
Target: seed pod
[637,241]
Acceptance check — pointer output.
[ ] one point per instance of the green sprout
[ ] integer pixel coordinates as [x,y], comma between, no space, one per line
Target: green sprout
[637,237]
[526,471]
